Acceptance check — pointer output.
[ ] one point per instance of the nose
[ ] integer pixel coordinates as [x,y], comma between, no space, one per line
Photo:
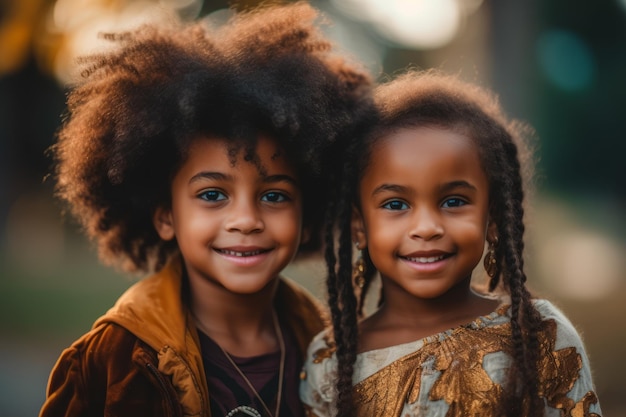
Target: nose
[245,217]
[427,224]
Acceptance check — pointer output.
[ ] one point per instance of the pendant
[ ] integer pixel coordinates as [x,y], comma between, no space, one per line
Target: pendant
[243,410]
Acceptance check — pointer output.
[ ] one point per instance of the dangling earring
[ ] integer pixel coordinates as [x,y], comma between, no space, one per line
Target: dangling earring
[358,271]
[490,262]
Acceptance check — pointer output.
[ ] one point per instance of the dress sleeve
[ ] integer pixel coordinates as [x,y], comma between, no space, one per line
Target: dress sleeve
[317,384]
[565,371]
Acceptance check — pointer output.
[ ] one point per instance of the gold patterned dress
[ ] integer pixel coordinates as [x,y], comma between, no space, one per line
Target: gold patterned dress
[459,372]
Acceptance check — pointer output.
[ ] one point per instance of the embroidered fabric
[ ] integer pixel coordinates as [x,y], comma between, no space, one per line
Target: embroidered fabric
[458,372]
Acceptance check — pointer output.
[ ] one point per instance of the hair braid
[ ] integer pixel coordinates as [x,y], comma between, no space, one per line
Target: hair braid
[341,298]
[346,350]
[331,261]
[525,320]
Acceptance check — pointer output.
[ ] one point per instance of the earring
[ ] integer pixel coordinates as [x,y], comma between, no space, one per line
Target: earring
[358,272]
[490,263]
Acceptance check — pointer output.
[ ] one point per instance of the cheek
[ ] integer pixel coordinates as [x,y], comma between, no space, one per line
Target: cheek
[381,233]
[473,233]
[192,221]
[286,225]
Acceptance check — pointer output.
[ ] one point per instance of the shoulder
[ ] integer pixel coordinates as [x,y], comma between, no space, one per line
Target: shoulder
[322,347]
[321,361]
[84,372]
[548,310]
[565,370]
[105,345]
[101,354]
[566,333]
[317,385]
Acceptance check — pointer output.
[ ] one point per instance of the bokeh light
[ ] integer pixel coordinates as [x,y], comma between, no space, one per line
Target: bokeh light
[566,59]
[582,265]
[80,27]
[18,21]
[416,24]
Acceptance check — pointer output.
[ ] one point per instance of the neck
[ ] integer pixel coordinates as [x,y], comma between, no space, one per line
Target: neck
[242,324]
[405,317]
[456,306]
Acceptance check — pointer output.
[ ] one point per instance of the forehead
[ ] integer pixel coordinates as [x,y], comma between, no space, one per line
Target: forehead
[417,154]
[218,153]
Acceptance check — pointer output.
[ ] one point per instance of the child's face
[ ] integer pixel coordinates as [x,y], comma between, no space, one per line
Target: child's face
[236,227]
[424,210]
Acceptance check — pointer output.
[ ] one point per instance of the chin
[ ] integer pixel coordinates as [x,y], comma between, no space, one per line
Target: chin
[249,288]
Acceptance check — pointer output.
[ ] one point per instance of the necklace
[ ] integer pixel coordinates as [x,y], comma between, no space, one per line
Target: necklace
[281,373]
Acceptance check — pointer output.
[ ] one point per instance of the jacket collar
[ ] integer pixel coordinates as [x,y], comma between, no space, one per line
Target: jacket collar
[152,309]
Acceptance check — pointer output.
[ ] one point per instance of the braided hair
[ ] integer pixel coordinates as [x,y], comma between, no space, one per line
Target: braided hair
[136,109]
[429,98]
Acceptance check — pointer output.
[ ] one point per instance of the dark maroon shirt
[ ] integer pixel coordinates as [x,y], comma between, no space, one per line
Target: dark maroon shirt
[228,390]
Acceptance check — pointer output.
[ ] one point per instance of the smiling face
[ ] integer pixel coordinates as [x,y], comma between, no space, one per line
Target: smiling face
[237,225]
[423,213]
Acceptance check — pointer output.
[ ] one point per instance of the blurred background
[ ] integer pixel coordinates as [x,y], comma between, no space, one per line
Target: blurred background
[559,65]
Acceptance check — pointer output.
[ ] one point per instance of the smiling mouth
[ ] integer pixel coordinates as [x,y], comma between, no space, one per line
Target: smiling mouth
[242,254]
[425,259]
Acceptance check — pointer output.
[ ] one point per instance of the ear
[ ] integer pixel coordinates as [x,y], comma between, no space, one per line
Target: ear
[162,220]
[492,232]
[358,229]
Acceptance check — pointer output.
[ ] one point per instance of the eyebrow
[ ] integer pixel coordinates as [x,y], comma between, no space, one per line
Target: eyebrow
[218,176]
[280,178]
[457,184]
[402,189]
[207,175]
[389,187]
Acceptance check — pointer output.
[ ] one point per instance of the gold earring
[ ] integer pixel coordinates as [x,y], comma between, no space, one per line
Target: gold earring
[490,262]
[358,272]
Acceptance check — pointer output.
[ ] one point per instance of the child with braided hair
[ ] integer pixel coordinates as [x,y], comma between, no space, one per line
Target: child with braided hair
[198,154]
[439,177]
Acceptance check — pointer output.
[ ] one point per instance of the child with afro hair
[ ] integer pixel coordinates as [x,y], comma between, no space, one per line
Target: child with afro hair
[200,155]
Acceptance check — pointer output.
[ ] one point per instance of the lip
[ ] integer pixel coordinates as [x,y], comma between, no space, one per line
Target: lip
[426,261]
[243,255]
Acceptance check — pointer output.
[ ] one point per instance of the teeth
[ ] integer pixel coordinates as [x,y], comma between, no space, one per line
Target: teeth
[240,254]
[427,260]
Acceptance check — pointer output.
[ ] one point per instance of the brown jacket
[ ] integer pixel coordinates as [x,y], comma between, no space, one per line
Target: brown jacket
[142,358]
